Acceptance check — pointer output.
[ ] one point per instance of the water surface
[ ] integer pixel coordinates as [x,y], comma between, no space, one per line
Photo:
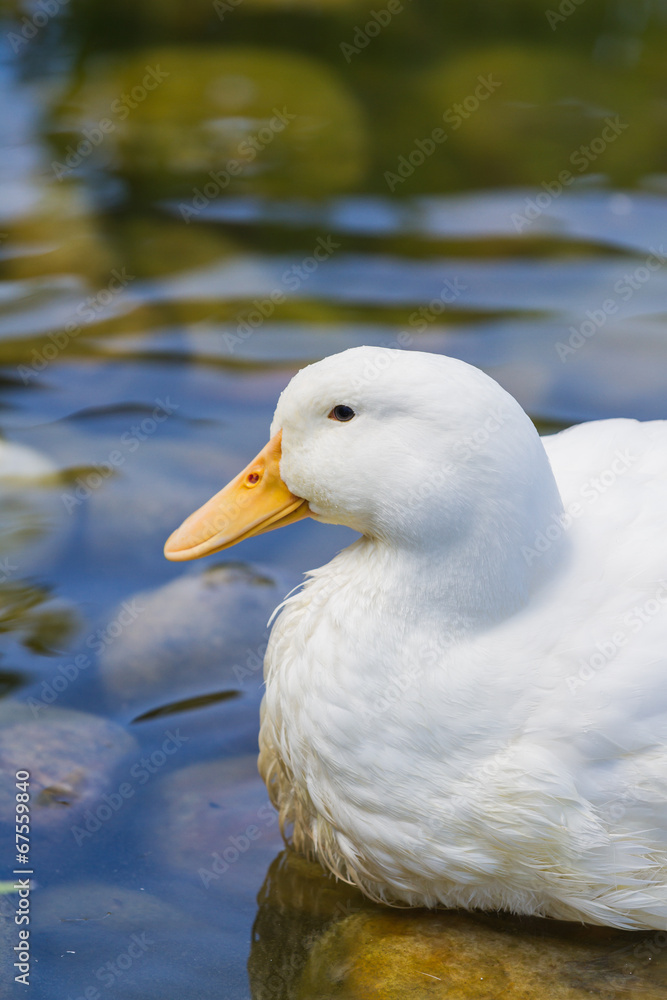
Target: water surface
[197,200]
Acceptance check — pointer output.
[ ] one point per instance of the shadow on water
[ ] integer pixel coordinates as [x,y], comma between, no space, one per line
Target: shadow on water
[196,200]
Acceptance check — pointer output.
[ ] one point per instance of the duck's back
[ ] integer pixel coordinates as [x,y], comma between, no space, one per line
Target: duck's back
[523,768]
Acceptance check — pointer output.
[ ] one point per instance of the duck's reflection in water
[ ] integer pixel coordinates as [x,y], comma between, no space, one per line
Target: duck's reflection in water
[316,939]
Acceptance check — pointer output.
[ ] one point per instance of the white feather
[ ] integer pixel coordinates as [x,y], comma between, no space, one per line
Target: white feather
[471,700]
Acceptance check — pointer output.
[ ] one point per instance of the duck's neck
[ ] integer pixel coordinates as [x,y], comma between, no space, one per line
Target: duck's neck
[469,579]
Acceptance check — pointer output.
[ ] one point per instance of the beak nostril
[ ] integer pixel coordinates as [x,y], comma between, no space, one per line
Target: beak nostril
[233,515]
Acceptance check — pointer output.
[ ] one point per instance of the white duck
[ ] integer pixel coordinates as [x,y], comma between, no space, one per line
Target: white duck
[467,706]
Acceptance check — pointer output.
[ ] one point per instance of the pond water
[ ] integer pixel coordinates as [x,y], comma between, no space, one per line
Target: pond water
[196,200]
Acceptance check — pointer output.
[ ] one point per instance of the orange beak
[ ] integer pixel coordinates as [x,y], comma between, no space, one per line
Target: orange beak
[256,501]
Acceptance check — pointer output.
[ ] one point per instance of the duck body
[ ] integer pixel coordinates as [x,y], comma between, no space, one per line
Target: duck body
[468,706]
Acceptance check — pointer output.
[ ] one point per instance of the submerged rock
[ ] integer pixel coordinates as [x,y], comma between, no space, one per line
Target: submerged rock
[96,910]
[214,822]
[314,937]
[200,122]
[416,954]
[199,634]
[94,936]
[69,755]
[478,97]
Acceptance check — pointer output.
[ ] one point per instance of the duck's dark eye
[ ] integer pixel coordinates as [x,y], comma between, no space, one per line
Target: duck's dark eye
[342,413]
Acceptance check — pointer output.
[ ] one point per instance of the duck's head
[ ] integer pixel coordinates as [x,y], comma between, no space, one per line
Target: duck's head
[417,450]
